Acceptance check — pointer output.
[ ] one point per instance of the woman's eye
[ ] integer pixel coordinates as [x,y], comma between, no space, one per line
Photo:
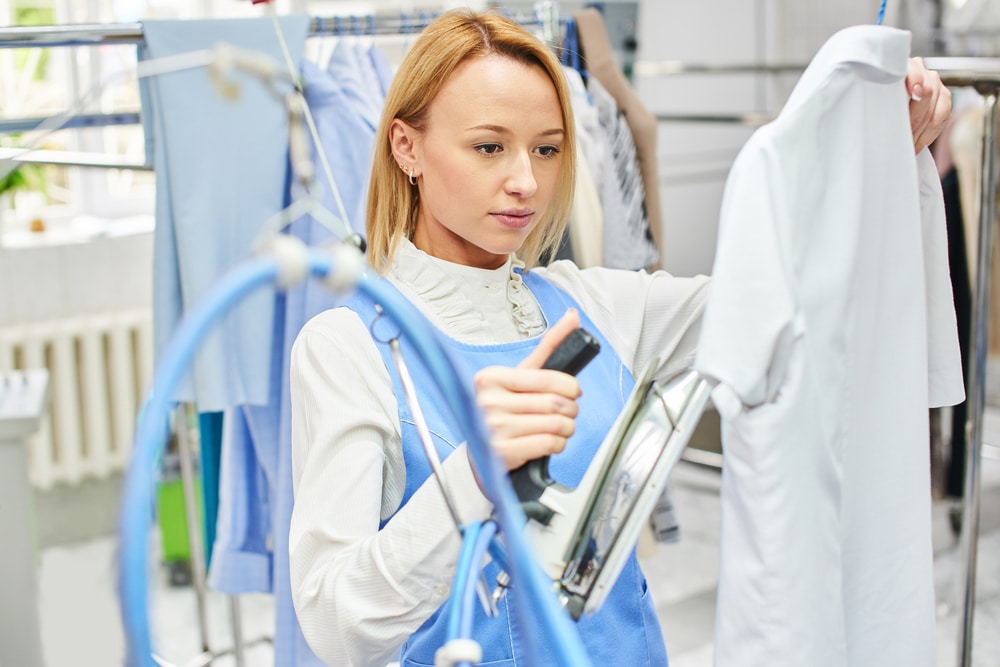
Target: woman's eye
[548,151]
[489,149]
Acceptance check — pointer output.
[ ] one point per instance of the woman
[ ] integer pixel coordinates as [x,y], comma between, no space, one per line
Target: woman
[473,163]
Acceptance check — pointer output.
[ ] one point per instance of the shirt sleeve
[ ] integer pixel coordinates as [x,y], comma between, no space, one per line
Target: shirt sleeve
[643,315]
[750,317]
[946,383]
[358,591]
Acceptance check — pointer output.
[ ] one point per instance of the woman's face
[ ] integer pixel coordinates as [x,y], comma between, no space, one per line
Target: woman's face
[488,161]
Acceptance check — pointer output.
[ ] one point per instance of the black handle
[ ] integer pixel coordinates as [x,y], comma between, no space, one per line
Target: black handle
[531,479]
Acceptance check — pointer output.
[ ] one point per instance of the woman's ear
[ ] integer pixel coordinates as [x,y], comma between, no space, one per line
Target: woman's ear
[403,139]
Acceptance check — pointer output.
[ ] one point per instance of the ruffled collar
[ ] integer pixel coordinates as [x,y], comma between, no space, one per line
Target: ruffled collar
[469,303]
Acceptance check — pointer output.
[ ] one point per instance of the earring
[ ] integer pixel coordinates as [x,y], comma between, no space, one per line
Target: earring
[408,172]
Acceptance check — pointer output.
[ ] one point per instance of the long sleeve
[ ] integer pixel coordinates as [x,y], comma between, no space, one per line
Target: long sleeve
[360,592]
[643,315]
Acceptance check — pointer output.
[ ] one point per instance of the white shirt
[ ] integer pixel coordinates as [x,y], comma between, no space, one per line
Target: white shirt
[831,330]
[360,592]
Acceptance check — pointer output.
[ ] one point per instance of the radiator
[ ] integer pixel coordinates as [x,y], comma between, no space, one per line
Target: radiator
[100,368]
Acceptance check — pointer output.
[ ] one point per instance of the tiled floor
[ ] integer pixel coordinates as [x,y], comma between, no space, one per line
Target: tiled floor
[81,628]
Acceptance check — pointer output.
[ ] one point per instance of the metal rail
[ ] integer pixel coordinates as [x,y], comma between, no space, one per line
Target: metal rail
[98,34]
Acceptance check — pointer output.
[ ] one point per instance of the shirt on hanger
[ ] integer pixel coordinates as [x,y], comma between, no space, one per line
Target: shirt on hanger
[627,243]
[211,204]
[251,549]
[831,331]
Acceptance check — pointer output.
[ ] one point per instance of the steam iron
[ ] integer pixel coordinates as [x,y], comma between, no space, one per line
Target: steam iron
[583,536]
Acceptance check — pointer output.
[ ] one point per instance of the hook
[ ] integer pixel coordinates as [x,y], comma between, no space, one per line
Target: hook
[379,314]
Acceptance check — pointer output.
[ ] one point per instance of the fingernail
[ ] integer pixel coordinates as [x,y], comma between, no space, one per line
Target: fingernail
[918,93]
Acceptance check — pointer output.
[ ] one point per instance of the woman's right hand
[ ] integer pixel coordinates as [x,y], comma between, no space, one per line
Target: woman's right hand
[529,411]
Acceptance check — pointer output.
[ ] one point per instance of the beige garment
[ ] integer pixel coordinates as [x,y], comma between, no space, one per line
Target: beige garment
[966,140]
[586,219]
[600,63]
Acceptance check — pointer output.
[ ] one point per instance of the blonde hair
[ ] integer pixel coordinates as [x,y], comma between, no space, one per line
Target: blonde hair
[445,44]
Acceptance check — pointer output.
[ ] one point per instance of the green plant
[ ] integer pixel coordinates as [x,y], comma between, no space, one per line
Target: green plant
[24,177]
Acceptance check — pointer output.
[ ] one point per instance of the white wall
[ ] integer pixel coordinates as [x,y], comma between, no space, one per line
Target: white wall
[695,157]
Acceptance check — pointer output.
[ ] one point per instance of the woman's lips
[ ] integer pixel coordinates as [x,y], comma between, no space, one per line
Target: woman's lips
[514,219]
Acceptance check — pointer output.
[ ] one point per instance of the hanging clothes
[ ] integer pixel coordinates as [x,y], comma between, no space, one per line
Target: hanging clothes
[958,265]
[627,243]
[600,64]
[830,331]
[586,216]
[210,204]
[251,550]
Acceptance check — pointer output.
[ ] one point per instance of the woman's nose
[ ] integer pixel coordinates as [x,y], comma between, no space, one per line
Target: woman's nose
[521,179]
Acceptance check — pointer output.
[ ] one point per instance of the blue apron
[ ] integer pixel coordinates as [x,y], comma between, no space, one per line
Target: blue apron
[626,631]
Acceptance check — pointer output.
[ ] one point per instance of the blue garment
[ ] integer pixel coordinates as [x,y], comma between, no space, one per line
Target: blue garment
[371,84]
[626,630]
[209,456]
[354,81]
[219,175]
[383,70]
[251,550]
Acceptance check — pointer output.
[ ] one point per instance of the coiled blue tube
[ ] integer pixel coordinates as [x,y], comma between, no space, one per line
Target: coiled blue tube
[532,595]
[881,13]
[135,519]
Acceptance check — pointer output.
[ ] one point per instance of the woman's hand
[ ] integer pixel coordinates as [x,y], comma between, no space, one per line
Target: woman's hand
[530,412]
[930,103]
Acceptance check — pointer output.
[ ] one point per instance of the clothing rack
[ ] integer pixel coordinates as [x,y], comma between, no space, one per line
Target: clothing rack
[983,75]
[545,16]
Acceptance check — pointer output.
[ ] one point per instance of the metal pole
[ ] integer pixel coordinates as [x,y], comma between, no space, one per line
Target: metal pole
[193,524]
[235,617]
[98,34]
[977,376]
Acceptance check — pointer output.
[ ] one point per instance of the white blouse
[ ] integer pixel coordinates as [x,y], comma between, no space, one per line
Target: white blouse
[360,592]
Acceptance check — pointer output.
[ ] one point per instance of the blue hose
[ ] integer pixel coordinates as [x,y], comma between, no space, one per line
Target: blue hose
[468,597]
[532,594]
[466,564]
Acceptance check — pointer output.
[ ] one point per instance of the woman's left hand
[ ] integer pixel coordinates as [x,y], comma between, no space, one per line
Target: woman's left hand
[930,103]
